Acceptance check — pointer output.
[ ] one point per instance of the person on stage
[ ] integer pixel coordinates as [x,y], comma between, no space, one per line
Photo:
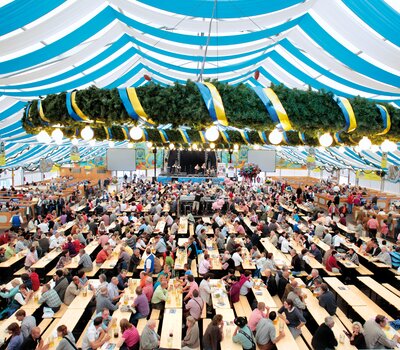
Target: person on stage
[196,169]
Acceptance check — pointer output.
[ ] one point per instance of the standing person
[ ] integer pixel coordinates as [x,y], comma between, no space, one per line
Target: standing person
[324,338]
[192,338]
[293,317]
[214,333]
[243,335]
[149,339]
[372,225]
[67,341]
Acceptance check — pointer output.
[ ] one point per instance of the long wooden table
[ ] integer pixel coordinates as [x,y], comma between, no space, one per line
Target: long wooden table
[183,225]
[218,289]
[172,325]
[380,290]
[319,314]
[45,260]
[262,294]
[14,259]
[344,292]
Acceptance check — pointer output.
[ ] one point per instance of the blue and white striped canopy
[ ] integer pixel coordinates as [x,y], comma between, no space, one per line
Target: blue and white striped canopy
[349,47]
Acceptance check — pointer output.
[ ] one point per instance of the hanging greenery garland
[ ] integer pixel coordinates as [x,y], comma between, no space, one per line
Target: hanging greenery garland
[309,112]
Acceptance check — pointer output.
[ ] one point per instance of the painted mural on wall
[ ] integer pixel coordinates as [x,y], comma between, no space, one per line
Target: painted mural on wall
[145,157]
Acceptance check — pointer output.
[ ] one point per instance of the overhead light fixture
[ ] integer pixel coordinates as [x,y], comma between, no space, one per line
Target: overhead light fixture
[256,147]
[212,145]
[171,146]
[275,137]
[195,147]
[43,137]
[87,133]
[111,144]
[365,144]
[57,134]
[374,148]
[342,149]
[92,143]
[212,133]
[388,146]
[75,141]
[236,147]
[136,133]
[325,140]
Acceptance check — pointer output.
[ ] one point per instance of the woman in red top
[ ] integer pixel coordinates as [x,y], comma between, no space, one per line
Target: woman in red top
[331,263]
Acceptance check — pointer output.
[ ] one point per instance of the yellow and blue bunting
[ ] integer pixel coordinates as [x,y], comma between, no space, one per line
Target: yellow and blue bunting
[274,107]
[73,110]
[133,106]
[347,110]
[263,137]
[163,135]
[213,102]
[41,113]
[385,118]
[185,136]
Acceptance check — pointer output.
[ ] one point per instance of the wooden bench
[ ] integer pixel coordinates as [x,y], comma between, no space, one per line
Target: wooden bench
[51,272]
[44,324]
[60,313]
[94,271]
[330,273]
[155,314]
[307,336]
[245,305]
[391,288]
[193,268]
[343,319]
[301,343]
[206,322]
[20,272]
[239,309]
[362,270]
[142,323]
[191,230]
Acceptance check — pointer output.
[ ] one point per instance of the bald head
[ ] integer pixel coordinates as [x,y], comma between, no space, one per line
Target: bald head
[35,332]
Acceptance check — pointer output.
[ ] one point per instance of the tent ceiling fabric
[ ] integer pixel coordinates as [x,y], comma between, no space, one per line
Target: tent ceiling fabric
[349,47]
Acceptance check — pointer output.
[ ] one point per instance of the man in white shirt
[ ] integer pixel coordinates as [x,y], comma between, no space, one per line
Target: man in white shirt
[246,286]
[205,289]
[54,241]
[285,247]
[95,336]
[44,226]
[337,241]
[237,258]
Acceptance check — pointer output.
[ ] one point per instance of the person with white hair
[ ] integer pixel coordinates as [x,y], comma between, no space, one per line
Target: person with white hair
[149,339]
[324,338]
[384,256]
[357,336]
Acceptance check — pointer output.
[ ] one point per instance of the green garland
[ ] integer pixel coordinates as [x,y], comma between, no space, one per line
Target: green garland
[310,112]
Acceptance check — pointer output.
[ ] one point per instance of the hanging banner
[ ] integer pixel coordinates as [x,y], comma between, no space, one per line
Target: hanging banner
[311,159]
[221,169]
[213,101]
[2,154]
[75,155]
[231,170]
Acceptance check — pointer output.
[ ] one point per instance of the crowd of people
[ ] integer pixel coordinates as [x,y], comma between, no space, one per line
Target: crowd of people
[128,220]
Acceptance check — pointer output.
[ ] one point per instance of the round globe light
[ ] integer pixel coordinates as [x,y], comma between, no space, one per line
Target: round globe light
[342,149]
[58,141]
[212,133]
[92,143]
[357,149]
[279,148]
[374,148]
[365,144]
[195,147]
[57,134]
[75,141]
[43,137]
[236,147]
[325,140]
[212,145]
[275,137]
[111,144]
[87,133]
[388,146]
[256,147]
[136,133]
[130,145]
[171,146]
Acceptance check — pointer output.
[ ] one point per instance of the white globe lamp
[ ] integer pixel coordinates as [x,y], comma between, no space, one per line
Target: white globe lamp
[74,141]
[342,149]
[212,145]
[57,134]
[325,140]
[111,144]
[87,133]
[256,147]
[388,146]
[275,137]
[212,134]
[195,147]
[236,147]
[136,133]
[92,143]
[130,145]
[374,148]
[365,144]
[171,146]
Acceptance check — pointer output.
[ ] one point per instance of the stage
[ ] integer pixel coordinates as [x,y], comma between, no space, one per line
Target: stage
[186,178]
